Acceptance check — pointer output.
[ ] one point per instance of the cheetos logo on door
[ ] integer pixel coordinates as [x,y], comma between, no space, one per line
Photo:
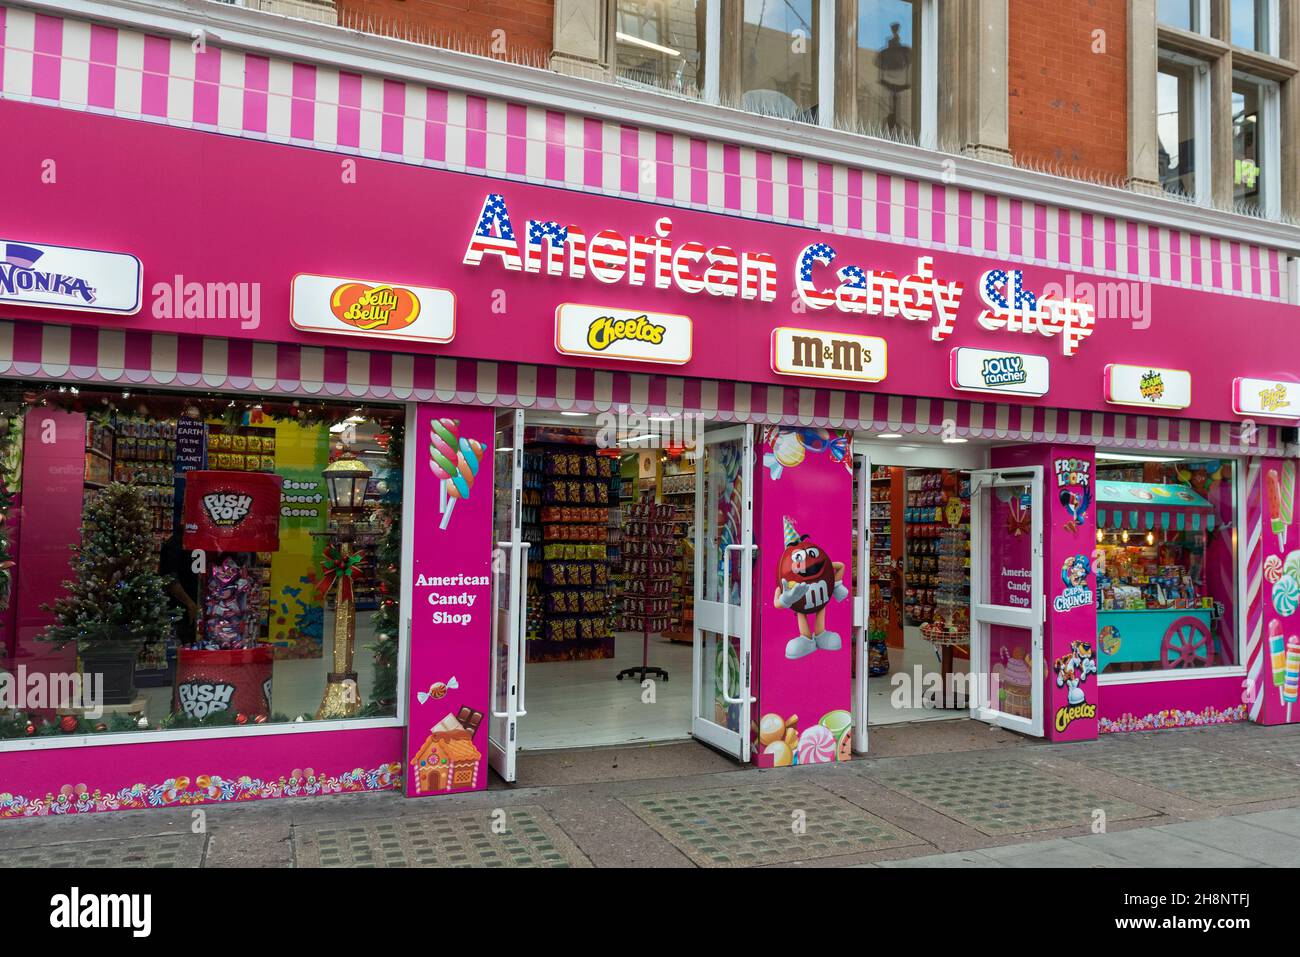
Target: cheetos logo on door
[374,308]
[227,509]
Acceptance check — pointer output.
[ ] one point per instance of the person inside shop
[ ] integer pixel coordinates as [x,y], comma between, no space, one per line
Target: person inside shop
[176,565]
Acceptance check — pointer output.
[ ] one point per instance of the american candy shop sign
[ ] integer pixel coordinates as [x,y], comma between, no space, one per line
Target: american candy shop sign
[655,259]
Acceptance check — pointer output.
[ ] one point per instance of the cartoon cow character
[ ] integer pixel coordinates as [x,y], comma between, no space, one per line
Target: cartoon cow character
[807,580]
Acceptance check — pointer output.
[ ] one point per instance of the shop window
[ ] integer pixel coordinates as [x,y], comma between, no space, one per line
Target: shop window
[660,44]
[889,66]
[1181,109]
[1167,564]
[779,59]
[193,561]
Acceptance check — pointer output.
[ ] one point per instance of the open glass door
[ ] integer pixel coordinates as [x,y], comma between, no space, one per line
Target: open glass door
[1007,604]
[724,587]
[509,592]
[861,596]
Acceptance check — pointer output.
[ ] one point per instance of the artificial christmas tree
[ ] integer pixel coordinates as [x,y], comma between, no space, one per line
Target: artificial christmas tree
[117,602]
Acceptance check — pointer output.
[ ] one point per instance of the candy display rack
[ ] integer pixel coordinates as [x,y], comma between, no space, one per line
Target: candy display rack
[649,558]
[885,595]
[226,667]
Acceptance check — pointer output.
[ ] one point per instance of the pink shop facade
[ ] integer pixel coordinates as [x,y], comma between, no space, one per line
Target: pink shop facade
[231,262]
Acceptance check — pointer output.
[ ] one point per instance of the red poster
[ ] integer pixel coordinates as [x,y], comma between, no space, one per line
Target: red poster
[232,511]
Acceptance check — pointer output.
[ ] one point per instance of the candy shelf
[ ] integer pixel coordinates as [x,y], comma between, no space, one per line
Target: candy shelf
[568,615]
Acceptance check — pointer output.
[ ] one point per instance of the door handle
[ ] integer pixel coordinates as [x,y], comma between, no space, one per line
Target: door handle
[725,651]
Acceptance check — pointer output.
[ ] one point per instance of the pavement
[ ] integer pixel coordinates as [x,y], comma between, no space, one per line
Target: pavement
[933,794]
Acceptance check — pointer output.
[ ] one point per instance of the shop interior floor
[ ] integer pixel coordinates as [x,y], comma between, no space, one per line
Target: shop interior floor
[574,704]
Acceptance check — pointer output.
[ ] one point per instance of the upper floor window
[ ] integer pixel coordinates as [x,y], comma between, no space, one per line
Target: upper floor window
[778,59]
[1251,24]
[1179,125]
[889,65]
[1183,14]
[660,43]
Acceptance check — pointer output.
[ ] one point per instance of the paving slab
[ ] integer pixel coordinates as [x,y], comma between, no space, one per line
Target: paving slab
[1235,836]
[166,851]
[1196,773]
[1146,847]
[520,837]
[999,794]
[735,827]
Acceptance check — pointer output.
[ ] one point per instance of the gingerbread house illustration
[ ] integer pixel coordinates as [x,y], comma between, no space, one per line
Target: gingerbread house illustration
[448,759]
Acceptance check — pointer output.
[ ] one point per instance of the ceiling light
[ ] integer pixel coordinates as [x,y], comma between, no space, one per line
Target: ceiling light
[890,435]
[574,413]
[637,41]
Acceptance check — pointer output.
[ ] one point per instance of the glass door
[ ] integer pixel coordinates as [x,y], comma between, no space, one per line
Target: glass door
[724,590]
[1007,604]
[861,596]
[509,593]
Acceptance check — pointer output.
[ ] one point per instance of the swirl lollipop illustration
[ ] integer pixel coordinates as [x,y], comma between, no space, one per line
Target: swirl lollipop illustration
[468,458]
[444,442]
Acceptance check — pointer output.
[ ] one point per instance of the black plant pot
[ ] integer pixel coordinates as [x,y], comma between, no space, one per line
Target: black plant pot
[116,662]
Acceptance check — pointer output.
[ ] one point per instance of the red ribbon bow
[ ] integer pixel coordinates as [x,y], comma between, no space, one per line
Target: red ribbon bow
[338,568]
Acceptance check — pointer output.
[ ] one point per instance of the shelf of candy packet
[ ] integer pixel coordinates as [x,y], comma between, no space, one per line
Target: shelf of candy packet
[233,604]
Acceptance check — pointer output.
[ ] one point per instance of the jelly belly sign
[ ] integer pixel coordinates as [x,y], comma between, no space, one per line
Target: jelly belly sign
[451,617]
[513,253]
[804,507]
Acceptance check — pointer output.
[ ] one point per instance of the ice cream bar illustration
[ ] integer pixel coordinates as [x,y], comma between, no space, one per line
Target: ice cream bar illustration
[444,440]
[437,690]
[458,485]
[1291,686]
[1277,651]
[1286,507]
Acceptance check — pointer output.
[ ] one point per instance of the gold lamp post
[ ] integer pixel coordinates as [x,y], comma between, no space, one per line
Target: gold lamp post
[345,481]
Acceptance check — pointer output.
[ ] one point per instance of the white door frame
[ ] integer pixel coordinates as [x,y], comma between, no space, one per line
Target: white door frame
[723,618]
[503,726]
[981,613]
[862,603]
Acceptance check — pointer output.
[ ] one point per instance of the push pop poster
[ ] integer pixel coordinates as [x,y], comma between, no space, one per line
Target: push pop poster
[804,525]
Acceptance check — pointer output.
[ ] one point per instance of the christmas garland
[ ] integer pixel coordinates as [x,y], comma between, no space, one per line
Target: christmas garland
[388,557]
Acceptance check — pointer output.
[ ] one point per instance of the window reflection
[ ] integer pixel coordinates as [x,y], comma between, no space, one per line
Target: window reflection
[660,43]
[888,65]
[778,62]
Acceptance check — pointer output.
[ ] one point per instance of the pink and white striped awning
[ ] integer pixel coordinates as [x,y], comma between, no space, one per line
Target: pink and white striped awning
[119,357]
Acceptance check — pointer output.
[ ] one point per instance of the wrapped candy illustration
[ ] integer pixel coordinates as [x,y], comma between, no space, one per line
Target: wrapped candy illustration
[807,581]
[791,446]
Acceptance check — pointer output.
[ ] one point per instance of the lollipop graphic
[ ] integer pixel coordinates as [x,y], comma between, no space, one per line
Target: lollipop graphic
[459,483]
[1285,493]
[444,439]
